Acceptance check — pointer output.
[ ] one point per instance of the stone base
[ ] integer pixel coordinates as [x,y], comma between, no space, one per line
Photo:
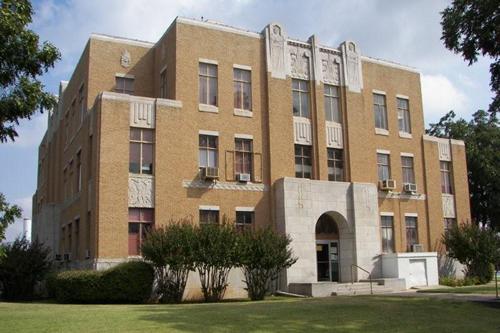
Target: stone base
[416,268]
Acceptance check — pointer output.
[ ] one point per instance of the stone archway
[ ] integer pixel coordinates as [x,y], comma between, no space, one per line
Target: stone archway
[327,249]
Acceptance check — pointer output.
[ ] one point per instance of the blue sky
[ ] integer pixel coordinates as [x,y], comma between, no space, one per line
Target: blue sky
[407,32]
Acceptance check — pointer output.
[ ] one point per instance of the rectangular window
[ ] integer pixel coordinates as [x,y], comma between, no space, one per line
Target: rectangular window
[209,216]
[446,177]
[208,151]
[81,101]
[88,231]
[243,156]
[411,231]
[403,115]
[141,151]
[242,89]
[124,85]
[449,223]
[335,164]
[332,105]
[303,161]
[79,171]
[244,220]
[408,172]
[387,233]
[383,166]
[70,238]
[70,179]
[208,84]
[90,157]
[65,183]
[163,84]
[77,238]
[380,110]
[140,222]
[300,94]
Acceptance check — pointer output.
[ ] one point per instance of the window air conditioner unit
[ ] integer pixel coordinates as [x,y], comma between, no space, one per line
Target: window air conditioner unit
[417,248]
[387,184]
[67,257]
[243,177]
[210,173]
[410,188]
[58,257]
[87,254]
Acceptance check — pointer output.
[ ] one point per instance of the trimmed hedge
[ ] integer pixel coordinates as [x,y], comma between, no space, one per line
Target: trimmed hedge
[129,282]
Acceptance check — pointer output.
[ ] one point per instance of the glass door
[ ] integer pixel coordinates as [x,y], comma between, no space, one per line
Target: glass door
[327,257]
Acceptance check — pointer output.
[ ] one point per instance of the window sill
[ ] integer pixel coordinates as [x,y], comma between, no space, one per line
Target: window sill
[405,135]
[140,175]
[243,113]
[208,108]
[381,131]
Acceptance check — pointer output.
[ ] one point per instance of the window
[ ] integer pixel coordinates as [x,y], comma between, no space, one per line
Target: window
[87,233]
[124,85]
[70,238]
[332,107]
[208,84]
[140,222]
[303,168]
[163,84]
[446,177]
[141,151]
[449,223]
[408,173]
[380,110]
[89,158]
[81,101]
[335,165]
[79,171]
[383,166]
[387,233]
[403,115]
[70,179]
[65,182]
[77,238]
[208,151]
[209,216]
[300,94]
[243,156]
[242,89]
[244,220]
[411,231]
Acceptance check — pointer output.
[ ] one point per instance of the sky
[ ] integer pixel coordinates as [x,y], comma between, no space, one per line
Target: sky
[403,31]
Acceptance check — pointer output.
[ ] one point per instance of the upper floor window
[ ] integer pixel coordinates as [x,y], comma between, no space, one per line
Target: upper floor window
[208,151]
[208,84]
[332,106]
[163,84]
[446,179]
[244,220]
[140,222]
[79,171]
[411,231]
[408,171]
[81,101]
[300,94]
[449,223]
[209,216]
[243,156]
[335,165]
[383,166]
[380,110]
[141,150]
[303,161]
[387,233]
[404,115]
[242,89]
[124,85]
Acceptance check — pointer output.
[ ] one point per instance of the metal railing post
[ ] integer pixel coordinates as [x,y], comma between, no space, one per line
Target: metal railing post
[364,270]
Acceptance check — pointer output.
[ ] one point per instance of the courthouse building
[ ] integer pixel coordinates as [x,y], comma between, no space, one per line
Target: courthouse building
[213,122]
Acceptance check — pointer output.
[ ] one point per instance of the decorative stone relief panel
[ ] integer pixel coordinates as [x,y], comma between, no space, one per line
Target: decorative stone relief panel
[444,150]
[140,192]
[352,66]
[300,61]
[276,50]
[142,114]
[302,131]
[330,68]
[125,59]
[334,135]
[449,206]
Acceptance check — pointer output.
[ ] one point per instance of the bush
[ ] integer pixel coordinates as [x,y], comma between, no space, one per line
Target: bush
[263,255]
[129,282]
[476,248]
[22,265]
[453,282]
[170,250]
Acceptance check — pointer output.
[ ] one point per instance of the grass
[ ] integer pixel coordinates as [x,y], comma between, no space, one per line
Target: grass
[488,289]
[336,314]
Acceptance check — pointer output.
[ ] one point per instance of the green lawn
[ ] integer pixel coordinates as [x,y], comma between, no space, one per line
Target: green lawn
[481,289]
[336,314]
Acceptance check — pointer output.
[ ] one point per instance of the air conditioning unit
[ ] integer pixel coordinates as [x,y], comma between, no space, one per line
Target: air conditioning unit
[210,173]
[58,257]
[387,184]
[243,177]
[417,248]
[410,188]
[67,257]
[87,254]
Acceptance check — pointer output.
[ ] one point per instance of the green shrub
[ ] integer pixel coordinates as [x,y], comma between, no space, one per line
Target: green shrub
[453,282]
[170,250]
[78,287]
[22,265]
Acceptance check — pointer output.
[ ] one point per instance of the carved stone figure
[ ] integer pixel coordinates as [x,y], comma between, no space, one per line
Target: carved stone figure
[330,67]
[277,49]
[352,65]
[299,62]
[125,59]
[140,192]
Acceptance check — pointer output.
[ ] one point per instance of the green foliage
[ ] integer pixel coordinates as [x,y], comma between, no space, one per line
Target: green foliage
[23,59]
[453,282]
[23,265]
[170,250]
[129,282]
[471,28]
[263,254]
[8,213]
[482,144]
[476,248]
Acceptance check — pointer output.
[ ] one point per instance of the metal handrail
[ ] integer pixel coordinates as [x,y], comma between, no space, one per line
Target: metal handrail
[364,270]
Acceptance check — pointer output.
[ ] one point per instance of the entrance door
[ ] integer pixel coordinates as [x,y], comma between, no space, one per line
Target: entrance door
[327,257]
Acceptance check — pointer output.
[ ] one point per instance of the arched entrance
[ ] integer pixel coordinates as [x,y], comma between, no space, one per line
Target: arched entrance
[327,249]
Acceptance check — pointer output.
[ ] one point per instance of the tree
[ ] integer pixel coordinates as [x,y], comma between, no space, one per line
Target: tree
[8,213]
[470,28]
[23,59]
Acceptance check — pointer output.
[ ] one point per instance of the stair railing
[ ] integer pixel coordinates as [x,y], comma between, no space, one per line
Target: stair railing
[364,270]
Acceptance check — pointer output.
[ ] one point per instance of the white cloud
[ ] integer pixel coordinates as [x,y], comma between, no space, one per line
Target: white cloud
[30,131]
